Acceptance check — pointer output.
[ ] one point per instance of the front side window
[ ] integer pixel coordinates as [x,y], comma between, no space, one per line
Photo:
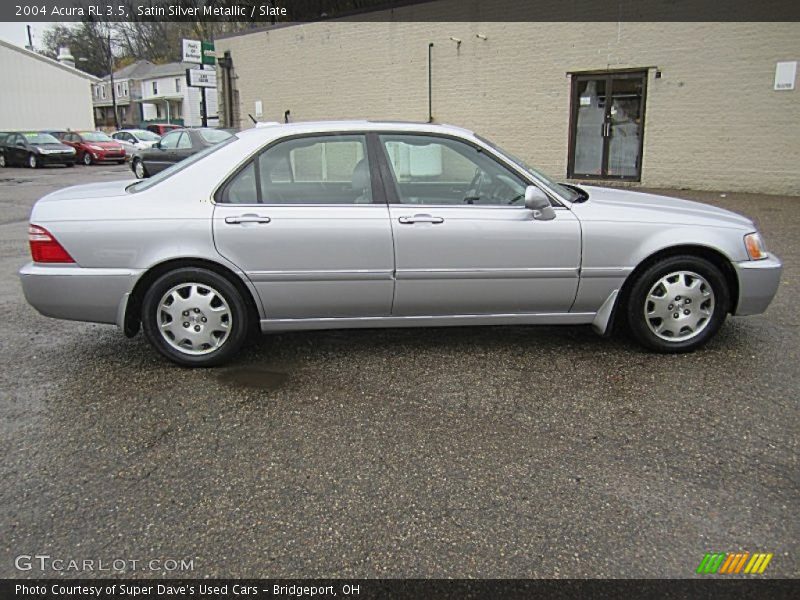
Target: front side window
[331,169]
[170,141]
[443,171]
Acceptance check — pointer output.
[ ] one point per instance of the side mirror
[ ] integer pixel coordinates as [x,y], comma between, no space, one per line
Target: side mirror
[537,201]
[157,145]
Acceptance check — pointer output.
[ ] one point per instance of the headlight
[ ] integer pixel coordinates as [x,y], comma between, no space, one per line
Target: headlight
[70,151]
[756,249]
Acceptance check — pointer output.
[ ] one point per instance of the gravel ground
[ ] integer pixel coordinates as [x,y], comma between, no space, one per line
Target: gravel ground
[465,452]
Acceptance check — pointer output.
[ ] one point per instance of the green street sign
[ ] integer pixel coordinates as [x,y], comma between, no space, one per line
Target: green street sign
[209,57]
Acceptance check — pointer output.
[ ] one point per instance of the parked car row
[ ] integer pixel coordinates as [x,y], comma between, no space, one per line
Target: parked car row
[148,152]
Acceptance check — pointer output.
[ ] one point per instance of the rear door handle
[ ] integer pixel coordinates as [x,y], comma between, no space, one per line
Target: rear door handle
[246,219]
[421,219]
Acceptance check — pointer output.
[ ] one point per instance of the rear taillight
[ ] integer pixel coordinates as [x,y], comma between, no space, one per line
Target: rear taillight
[45,248]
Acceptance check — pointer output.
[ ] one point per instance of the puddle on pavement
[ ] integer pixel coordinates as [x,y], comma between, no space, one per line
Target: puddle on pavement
[253,378]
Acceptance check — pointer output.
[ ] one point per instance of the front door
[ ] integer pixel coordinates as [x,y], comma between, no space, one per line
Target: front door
[607,125]
[464,242]
[310,227]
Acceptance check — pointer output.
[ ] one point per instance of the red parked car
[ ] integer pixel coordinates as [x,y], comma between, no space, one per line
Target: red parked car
[94,146]
[162,128]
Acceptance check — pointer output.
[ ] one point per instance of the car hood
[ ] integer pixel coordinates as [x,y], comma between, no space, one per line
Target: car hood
[105,145]
[88,190]
[62,147]
[627,205]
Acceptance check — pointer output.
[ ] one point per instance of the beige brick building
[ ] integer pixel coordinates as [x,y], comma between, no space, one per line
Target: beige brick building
[660,104]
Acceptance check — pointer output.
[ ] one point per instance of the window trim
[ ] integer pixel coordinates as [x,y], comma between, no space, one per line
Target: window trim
[219,194]
[391,187]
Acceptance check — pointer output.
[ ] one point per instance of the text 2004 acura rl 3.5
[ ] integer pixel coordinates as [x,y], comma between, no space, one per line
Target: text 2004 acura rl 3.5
[361,224]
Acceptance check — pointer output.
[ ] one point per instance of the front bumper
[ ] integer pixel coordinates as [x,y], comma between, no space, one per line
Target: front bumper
[56,159]
[108,156]
[758,283]
[76,293]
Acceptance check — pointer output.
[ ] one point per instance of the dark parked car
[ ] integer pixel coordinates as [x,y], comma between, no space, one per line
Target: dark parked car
[94,146]
[174,147]
[34,149]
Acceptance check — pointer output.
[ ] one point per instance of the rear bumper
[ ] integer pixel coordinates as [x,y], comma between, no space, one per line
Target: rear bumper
[75,293]
[758,283]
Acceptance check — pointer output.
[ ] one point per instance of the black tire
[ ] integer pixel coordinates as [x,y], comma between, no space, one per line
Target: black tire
[239,317]
[138,163]
[638,324]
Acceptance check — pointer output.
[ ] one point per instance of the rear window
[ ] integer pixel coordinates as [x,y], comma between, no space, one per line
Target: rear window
[146,184]
[214,136]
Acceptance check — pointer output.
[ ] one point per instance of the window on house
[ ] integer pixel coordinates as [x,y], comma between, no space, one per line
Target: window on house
[155,87]
[178,85]
[119,90]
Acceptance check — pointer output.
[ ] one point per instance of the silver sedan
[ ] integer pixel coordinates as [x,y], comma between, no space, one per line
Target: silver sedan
[363,224]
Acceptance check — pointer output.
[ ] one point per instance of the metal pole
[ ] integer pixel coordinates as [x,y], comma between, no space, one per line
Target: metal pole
[203,107]
[113,91]
[430,83]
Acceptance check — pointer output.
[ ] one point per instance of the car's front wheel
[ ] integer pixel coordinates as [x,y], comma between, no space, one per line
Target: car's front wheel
[195,317]
[33,162]
[677,304]
[87,159]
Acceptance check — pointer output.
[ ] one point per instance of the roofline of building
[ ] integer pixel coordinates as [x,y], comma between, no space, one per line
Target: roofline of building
[50,61]
[346,15]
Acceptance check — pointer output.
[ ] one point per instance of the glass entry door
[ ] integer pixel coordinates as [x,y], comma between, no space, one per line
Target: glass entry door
[607,125]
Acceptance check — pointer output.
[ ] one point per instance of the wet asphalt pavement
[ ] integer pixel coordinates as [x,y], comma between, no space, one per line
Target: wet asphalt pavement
[466,452]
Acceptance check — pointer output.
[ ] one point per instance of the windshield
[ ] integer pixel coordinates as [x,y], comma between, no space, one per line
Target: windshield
[145,136]
[146,184]
[95,136]
[568,192]
[40,138]
[214,136]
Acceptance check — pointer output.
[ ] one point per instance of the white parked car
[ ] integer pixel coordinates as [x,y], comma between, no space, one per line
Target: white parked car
[135,139]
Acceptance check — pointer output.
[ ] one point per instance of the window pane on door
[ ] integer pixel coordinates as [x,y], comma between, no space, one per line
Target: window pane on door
[590,119]
[626,127]
[441,171]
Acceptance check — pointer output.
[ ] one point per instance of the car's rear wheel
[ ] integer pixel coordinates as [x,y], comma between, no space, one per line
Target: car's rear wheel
[195,317]
[87,159]
[33,162]
[138,169]
[678,304]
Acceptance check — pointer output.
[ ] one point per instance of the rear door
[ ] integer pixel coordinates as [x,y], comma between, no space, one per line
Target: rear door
[464,242]
[185,147]
[309,225]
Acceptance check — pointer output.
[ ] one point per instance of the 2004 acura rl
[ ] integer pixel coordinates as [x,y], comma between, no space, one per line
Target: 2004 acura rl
[361,224]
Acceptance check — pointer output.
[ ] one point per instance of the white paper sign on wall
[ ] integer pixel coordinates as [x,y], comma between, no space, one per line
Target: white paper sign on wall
[785,75]
[259,109]
[192,51]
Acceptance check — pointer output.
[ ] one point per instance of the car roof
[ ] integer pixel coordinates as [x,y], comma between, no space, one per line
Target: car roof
[280,129]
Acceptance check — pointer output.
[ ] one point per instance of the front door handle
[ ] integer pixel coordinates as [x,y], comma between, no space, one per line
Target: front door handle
[421,219]
[246,219]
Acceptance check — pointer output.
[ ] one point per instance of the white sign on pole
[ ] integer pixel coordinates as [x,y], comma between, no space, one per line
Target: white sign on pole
[201,78]
[785,75]
[192,51]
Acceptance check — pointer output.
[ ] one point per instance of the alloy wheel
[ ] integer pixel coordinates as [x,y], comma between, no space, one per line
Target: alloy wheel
[2,160]
[679,306]
[87,158]
[32,162]
[138,169]
[194,318]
